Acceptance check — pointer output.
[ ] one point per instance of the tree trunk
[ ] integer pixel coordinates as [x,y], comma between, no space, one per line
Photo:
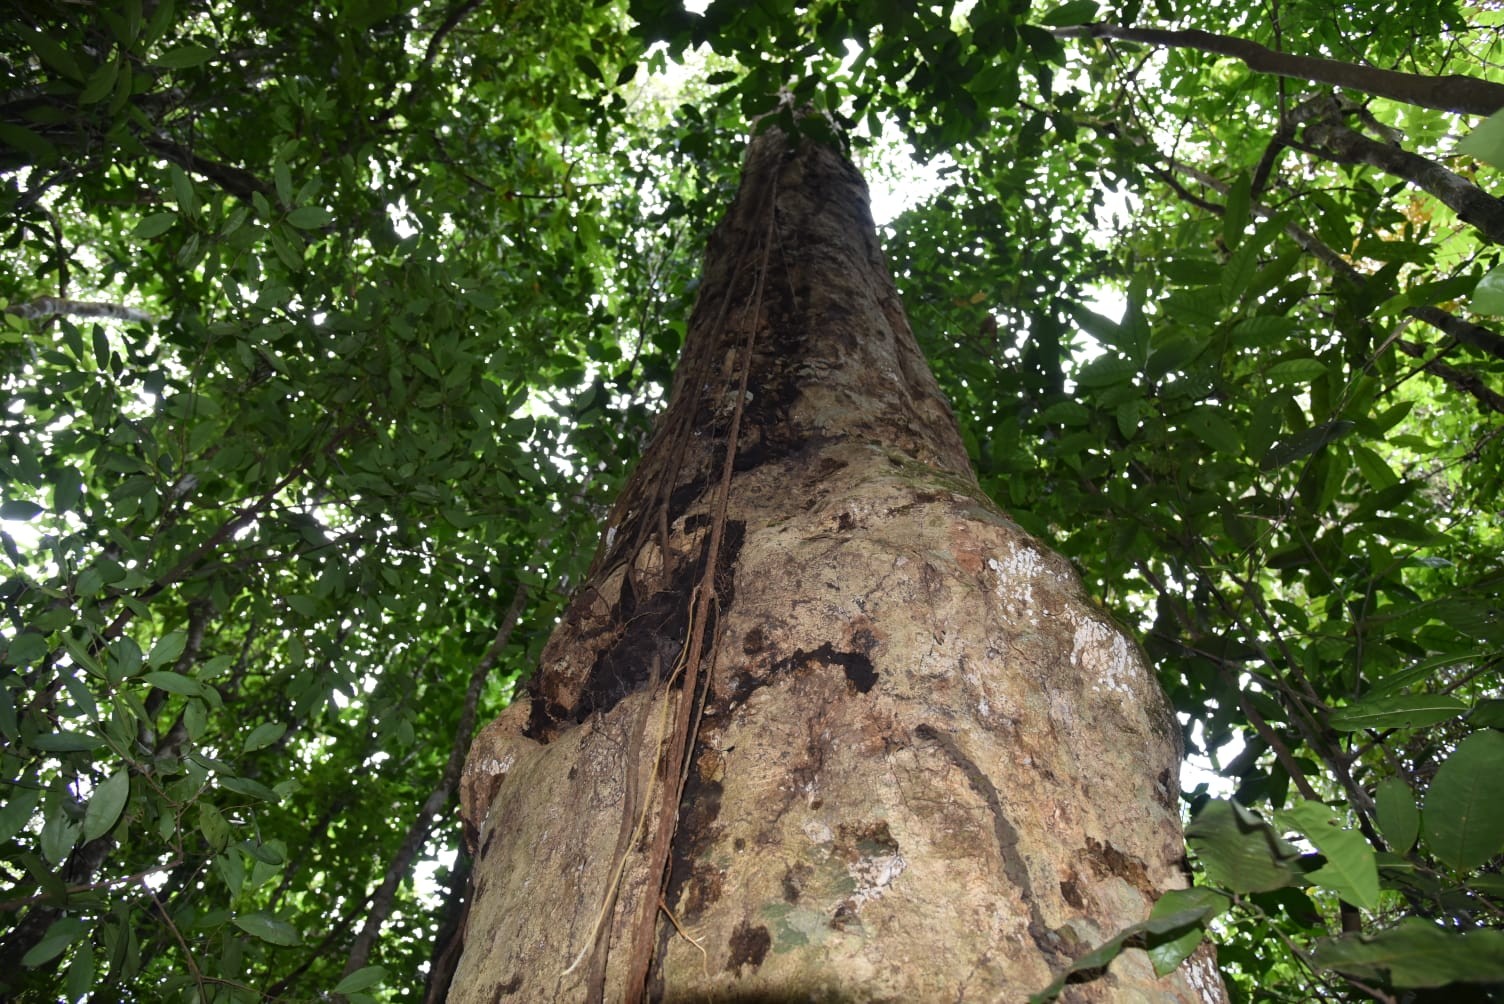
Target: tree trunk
[910,759]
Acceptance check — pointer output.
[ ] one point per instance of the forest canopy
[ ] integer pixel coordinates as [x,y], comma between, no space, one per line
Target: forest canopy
[330,332]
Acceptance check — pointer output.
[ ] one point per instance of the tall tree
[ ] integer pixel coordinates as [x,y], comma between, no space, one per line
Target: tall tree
[330,332]
[822,720]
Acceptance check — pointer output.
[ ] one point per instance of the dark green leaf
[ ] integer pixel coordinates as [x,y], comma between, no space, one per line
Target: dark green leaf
[1417,953]
[105,805]
[269,929]
[1402,712]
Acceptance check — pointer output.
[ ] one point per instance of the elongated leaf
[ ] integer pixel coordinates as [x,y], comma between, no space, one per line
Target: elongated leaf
[269,929]
[1399,819]
[1402,712]
[361,979]
[59,936]
[1417,953]
[106,804]
[1463,817]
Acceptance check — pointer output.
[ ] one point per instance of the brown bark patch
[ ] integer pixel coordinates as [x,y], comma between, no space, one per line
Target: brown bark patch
[749,946]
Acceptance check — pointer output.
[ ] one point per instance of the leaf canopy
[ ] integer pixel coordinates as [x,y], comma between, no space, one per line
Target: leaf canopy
[330,331]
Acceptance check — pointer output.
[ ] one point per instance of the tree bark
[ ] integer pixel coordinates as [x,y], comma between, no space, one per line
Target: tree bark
[903,756]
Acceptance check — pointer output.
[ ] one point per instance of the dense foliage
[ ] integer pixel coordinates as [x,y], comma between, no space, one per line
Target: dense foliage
[330,330]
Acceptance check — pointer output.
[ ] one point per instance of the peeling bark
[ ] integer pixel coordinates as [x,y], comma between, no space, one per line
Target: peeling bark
[926,766]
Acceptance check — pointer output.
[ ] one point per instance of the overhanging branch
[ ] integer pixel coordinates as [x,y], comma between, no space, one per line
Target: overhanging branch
[1454,92]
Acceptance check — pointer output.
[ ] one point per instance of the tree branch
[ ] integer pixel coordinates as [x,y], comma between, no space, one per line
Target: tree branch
[385,895]
[1472,204]
[1455,92]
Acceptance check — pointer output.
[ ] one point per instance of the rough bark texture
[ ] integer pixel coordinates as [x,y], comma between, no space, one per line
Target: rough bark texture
[927,768]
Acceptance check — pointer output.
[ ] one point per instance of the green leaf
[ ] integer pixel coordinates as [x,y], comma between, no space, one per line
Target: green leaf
[213,825]
[1235,213]
[27,648]
[1209,424]
[1239,850]
[263,735]
[1303,444]
[1487,714]
[1486,141]
[1186,912]
[184,56]
[167,649]
[106,804]
[155,225]
[60,934]
[20,510]
[66,742]
[1488,295]
[1295,371]
[101,82]
[1402,712]
[1398,816]
[310,217]
[269,929]
[1463,817]
[1417,953]
[1350,869]
[20,805]
[361,979]
[174,683]
[253,789]
[28,142]
[1075,12]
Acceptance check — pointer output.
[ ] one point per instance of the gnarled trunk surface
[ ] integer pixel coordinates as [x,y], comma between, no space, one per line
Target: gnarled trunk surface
[917,763]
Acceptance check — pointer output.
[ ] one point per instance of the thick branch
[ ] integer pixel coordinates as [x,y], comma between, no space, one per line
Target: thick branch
[1467,200]
[1453,92]
[52,306]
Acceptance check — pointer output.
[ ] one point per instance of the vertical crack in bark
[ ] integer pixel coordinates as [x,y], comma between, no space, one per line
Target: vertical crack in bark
[1007,838]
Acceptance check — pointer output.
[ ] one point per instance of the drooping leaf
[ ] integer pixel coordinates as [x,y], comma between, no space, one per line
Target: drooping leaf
[1417,953]
[1239,849]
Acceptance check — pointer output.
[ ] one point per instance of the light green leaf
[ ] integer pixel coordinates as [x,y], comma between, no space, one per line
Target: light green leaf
[1295,371]
[106,804]
[1417,953]
[1463,817]
[1239,850]
[252,789]
[1401,712]
[1486,141]
[27,648]
[1350,869]
[1399,819]
[1488,295]
[269,929]
[66,742]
